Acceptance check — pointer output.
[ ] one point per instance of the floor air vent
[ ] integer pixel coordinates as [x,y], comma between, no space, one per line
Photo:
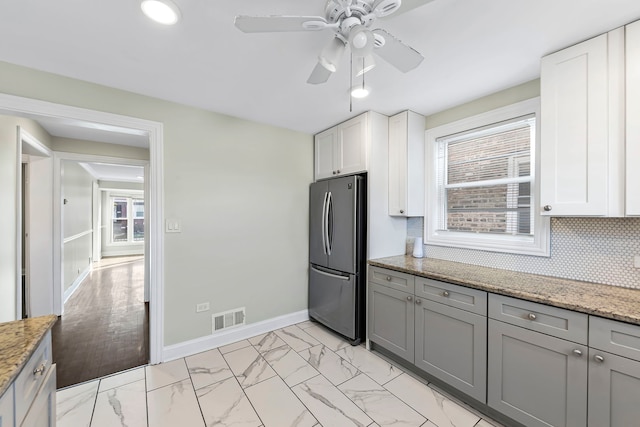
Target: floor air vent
[228,319]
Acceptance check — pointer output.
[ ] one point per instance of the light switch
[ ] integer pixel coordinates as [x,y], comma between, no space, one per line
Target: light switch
[173,226]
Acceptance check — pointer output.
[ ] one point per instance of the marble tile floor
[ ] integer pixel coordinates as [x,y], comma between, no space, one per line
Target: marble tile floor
[298,376]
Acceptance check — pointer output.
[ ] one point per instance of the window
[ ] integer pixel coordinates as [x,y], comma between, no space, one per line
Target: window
[482,189]
[127,220]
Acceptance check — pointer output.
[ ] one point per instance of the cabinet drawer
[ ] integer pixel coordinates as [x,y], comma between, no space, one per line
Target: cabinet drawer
[6,408]
[461,297]
[554,321]
[32,376]
[43,410]
[392,279]
[615,337]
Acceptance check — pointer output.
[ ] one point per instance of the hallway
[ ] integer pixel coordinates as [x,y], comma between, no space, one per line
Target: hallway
[105,326]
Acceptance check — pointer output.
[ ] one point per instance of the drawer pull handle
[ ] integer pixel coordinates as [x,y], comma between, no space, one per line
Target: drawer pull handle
[409,298]
[577,352]
[445,294]
[401,211]
[547,208]
[532,316]
[388,278]
[598,358]
[40,369]
[418,301]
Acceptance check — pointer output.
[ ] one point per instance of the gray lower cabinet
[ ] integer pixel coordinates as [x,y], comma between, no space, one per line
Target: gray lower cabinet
[536,379]
[42,411]
[391,320]
[6,408]
[451,345]
[614,390]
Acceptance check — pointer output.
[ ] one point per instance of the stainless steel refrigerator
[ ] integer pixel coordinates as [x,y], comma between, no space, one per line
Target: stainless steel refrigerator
[337,233]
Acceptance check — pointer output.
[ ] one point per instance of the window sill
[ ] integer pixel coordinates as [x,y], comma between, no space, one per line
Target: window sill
[505,244]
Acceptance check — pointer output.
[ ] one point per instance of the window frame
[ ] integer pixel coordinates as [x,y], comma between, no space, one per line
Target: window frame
[539,243]
[130,197]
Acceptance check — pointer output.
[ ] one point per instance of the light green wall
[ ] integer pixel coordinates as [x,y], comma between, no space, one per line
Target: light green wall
[8,187]
[240,189]
[505,97]
[69,145]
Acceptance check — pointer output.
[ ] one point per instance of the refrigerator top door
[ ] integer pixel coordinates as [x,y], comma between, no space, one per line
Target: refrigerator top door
[342,223]
[318,195]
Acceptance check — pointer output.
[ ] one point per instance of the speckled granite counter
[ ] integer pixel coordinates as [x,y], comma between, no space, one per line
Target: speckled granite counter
[612,302]
[18,340]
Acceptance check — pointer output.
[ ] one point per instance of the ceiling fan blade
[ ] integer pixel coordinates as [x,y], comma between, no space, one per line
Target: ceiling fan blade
[270,24]
[408,5]
[319,75]
[403,57]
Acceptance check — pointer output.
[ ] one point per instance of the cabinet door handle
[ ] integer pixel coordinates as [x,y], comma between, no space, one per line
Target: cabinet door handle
[445,294]
[547,208]
[388,278]
[418,301]
[40,369]
[334,172]
[532,316]
[409,298]
[401,211]
[598,358]
[577,352]
[338,171]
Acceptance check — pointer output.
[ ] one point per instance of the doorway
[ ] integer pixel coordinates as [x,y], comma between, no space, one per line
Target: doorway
[104,326]
[91,119]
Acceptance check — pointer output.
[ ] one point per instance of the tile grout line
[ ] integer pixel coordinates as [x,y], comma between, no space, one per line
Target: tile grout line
[193,388]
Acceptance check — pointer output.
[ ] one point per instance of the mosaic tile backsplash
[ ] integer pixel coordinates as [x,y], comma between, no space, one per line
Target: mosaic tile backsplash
[599,250]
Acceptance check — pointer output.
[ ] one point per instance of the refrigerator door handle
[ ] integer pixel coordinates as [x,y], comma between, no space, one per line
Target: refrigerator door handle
[334,276]
[329,223]
[324,222]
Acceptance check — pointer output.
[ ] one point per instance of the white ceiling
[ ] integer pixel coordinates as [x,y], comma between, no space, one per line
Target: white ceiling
[113,172]
[472,48]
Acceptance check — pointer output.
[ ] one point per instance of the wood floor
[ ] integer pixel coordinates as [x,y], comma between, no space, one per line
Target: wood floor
[105,326]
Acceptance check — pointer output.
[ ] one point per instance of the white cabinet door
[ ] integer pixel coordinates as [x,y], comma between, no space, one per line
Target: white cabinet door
[574,136]
[632,206]
[351,149]
[406,164]
[324,153]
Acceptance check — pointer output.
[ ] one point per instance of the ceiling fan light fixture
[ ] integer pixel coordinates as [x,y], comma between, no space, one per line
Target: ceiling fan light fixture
[162,11]
[331,54]
[361,41]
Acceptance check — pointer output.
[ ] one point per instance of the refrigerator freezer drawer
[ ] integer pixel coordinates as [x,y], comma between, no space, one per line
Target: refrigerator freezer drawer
[332,300]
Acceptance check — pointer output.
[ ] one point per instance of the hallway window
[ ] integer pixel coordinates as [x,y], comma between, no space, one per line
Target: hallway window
[127,220]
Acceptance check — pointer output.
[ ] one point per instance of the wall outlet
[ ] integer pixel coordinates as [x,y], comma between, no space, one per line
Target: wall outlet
[203,306]
[636,261]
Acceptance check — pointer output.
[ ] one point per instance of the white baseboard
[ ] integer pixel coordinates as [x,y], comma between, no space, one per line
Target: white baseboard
[198,345]
[76,284]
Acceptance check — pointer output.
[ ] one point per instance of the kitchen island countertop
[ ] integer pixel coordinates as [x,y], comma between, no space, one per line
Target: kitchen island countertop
[18,340]
[608,301]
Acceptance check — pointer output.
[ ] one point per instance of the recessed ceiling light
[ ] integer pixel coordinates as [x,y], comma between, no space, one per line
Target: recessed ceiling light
[359,92]
[163,11]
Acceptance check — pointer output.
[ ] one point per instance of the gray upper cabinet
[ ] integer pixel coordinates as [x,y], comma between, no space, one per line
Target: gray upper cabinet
[391,320]
[451,344]
[536,379]
[614,380]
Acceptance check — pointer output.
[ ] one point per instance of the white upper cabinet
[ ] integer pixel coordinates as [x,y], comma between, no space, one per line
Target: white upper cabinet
[583,141]
[342,149]
[406,164]
[632,49]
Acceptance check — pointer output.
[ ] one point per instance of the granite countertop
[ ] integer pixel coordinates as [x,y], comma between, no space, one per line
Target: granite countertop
[612,302]
[18,341]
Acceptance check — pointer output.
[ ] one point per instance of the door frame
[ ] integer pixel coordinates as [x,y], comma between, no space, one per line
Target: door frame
[22,192]
[154,130]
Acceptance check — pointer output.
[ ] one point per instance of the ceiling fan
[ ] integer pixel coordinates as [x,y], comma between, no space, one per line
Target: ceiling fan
[350,21]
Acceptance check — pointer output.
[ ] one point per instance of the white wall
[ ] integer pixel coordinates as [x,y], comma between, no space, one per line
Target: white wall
[240,189]
[77,192]
[8,186]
